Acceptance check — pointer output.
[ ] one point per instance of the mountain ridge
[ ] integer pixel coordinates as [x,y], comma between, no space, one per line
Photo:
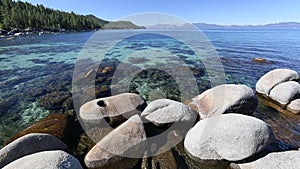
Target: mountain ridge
[279,25]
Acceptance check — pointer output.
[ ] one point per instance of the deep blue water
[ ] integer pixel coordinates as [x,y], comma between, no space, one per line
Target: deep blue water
[33,67]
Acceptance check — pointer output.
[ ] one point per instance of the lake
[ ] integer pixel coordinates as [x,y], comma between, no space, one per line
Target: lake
[36,71]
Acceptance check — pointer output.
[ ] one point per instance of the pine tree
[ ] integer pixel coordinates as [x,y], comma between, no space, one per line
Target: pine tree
[24,15]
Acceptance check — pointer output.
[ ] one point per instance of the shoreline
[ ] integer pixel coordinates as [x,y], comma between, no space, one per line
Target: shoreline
[23,32]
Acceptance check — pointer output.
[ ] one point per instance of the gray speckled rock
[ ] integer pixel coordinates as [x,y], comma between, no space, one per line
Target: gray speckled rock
[29,144]
[46,160]
[165,111]
[116,108]
[229,137]
[265,84]
[284,92]
[223,99]
[119,147]
[277,160]
[294,106]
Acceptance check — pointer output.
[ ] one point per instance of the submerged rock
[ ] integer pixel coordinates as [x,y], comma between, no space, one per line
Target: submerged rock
[268,81]
[223,99]
[294,106]
[230,137]
[165,111]
[29,144]
[105,70]
[285,92]
[121,148]
[54,124]
[282,160]
[89,139]
[53,101]
[260,60]
[165,160]
[115,109]
[46,160]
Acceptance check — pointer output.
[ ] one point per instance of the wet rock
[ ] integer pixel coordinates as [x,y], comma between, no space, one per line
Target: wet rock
[224,99]
[35,92]
[107,70]
[63,126]
[260,60]
[29,144]
[114,109]
[268,81]
[282,160]
[165,160]
[102,91]
[164,111]
[162,155]
[294,106]
[128,137]
[17,81]
[46,159]
[198,72]
[54,124]
[231,137]
[284,92]
[88,140]
[180,151]
[68,104]
[53,101]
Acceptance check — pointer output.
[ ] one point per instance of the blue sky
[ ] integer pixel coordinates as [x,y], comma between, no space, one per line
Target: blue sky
[209,11]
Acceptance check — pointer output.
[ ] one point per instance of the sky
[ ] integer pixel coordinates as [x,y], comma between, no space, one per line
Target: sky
[224,12]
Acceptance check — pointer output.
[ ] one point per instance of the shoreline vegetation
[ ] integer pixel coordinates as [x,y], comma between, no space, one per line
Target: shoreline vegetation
[22,18]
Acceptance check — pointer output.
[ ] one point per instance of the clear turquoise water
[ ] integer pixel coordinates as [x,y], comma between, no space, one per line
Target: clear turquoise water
[32,66]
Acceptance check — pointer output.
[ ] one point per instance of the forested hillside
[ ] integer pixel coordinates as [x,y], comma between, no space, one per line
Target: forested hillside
[23,15]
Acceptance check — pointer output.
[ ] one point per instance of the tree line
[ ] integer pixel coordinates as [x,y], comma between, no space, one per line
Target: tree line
[23,15]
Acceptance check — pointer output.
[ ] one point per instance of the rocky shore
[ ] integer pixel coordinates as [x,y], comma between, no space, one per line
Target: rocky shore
[20,32]
[216,129]
[280,87]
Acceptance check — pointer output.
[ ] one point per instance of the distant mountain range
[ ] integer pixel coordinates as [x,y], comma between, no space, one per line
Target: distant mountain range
[281,25]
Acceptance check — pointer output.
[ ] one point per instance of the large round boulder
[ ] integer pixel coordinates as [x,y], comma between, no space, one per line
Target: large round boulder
[46,160]
[165,111]
[280,160]
[121,148]
[230,137]
[115,109]
[268,81]
[285,92]
[294,106]
[225,99]
[29,144]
